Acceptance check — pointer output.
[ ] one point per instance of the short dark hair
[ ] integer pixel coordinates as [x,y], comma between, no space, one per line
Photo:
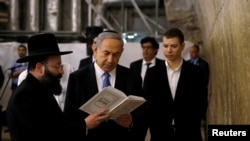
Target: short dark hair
[174,32]
[196,46]
[152,40]
[22,46]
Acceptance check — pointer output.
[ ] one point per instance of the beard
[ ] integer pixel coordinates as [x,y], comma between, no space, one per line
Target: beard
[52,82]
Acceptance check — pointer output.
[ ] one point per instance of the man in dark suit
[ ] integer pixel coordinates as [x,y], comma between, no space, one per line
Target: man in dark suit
[149,47]
[86,82]
[149,51]
[175,94]
[204,66]
[197,60]
[32,111]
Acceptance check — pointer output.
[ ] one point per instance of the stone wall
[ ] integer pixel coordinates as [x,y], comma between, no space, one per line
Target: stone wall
[225,33]
[181,14]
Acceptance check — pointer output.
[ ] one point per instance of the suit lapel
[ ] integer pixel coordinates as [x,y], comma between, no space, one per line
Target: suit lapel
[120,76]
[92,80]
[181,82]
[164,77]
[138,66]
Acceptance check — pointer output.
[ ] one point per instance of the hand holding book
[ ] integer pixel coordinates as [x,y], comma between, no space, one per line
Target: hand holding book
[113,99]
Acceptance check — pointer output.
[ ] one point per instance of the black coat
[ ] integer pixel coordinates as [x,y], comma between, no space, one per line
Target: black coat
[85,61]
[205,68]
[34,115]
[187,108]
[82,86]
[137,65]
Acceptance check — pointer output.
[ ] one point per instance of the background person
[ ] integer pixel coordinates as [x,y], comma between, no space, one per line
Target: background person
[149,46]
[197,60]
[16,68]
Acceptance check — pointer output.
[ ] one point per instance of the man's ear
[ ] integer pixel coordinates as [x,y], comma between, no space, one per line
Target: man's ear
[94,50]
[40,67]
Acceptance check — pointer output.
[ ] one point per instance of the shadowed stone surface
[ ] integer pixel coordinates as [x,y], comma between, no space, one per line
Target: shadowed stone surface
[225,26]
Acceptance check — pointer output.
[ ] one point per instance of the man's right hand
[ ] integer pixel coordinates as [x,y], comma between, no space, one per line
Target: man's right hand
[95,119]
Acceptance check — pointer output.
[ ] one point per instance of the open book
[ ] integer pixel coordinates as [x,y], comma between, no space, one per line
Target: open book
[115,100]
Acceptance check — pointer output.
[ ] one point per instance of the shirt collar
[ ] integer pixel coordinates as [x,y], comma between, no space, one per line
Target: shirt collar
[195,60]
[178,68]
[99,71]
[144,62]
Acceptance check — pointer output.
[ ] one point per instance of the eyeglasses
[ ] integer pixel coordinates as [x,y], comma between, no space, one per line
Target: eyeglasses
[55,66]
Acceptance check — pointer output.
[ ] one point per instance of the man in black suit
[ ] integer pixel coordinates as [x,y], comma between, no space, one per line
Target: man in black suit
[203,64]
[174,92]
[197,60]
[86,82]
[149,51]
[32,111]
[149,47]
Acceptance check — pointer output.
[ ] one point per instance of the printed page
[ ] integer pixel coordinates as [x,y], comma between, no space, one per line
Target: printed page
[130,104]
[107,98]
[114,100]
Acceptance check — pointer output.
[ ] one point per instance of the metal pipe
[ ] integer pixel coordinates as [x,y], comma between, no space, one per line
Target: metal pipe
[156,16]
[14,15]
[32,15]
[89,15]
[114,20]
[52,15]
[75,15]
[125,28]
[122,17]
[101,16]
[155,23]
[142,17]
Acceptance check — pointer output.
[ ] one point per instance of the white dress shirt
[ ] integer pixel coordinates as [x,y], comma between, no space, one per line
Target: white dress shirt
[144,67]
[99,76]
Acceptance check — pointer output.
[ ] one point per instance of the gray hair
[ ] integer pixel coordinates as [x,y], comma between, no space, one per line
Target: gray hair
[108,35]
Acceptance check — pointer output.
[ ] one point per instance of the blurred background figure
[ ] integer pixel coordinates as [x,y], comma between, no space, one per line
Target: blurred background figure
[13,72]
[16,68]
[197,60]
[149,47]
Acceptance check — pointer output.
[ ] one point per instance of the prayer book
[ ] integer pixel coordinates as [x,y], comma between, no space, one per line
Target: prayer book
[113,99]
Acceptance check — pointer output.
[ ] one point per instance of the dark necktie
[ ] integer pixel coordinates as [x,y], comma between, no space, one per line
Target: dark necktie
[148,64]
[106,81]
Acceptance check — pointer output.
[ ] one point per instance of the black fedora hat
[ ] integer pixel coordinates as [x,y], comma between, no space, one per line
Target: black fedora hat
[43,44]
